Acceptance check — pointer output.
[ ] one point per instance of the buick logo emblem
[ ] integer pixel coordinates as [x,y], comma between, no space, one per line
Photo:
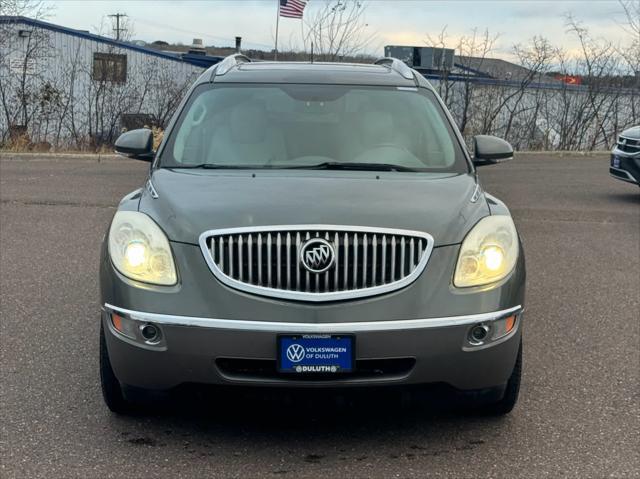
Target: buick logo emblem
[317,255]
[295,353]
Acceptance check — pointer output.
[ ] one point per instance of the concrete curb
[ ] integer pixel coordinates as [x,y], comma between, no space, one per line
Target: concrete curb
[29,156]
[565,154]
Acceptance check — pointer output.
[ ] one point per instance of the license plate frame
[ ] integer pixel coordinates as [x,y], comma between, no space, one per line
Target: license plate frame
[343,363]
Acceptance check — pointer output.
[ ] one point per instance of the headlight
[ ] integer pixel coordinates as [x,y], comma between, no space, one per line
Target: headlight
[140,250]
[488,253]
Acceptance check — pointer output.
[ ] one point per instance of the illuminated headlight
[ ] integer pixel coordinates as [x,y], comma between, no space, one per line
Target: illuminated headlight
[140,250]
[488,253]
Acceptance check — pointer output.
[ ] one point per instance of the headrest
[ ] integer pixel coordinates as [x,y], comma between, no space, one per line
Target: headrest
[248,123]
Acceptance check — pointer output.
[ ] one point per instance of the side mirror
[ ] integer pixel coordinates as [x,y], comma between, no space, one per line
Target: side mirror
[136,144]
[489,150]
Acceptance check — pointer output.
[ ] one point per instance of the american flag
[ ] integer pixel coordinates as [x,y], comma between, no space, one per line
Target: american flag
[292,8]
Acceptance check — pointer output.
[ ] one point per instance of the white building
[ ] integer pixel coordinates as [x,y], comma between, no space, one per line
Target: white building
[66,87]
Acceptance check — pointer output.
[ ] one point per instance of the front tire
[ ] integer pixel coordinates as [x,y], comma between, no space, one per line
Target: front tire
[511,393]
[111,387]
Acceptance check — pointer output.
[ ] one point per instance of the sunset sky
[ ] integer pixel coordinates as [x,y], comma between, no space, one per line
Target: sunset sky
[392,22]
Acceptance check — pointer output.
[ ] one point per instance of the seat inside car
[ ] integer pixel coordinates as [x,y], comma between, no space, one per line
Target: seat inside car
[248,138]
[373,129]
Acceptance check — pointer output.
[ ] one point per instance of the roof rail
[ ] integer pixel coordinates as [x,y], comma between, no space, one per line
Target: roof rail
[397,65]
[231,61]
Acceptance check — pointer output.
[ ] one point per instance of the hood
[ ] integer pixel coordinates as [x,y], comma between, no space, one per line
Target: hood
[190,202]
[632,133]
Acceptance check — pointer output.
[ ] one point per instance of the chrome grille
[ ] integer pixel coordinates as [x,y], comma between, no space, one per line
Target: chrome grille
[267,260]
[628,145]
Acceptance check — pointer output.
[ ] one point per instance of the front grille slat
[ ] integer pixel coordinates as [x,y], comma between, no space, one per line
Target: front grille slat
[383,275]
[412,256]
[240,262]
[366,261]
[354,280]
[230,249]
[259,258]
[374,263]
[288,250]
[279,260]
[393,258]
[221,246]
[298,246]
[250,254]
[336,270]
[327,272]
[346,261]
[307,278]
[269,264]
[402,257]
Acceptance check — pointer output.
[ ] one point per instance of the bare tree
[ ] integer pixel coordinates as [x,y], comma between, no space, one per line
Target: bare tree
[337,30]
[535,59]
[444,85]
[472,50]
[599,66]
[630,52]
[21,75]
[38,9]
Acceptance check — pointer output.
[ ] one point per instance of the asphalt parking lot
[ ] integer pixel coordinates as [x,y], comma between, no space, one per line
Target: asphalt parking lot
[579,413]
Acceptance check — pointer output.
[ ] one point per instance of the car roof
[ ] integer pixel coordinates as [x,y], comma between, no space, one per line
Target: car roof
[313,73]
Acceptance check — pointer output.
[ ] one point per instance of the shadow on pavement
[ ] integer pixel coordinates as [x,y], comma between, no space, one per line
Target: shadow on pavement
[626,197]
[304,412]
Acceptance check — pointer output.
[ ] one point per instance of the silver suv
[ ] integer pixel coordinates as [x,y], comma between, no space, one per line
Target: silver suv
[312,225]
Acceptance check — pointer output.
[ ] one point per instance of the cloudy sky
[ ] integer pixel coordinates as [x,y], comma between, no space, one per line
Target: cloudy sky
[406,22]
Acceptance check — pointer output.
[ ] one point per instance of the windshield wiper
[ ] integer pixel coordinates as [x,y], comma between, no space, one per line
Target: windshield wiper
[210,166]
[328,165]
[337,165]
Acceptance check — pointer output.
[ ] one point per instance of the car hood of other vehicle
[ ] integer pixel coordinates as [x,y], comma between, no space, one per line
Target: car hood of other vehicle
[192,201]
[633,133]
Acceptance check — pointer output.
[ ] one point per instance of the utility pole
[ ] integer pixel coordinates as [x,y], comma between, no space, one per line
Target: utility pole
[118,29]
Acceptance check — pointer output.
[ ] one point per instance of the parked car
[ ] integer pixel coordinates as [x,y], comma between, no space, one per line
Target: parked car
[625,157]
[312,225]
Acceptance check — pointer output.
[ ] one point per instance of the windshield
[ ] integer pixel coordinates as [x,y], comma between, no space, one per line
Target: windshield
[313,126]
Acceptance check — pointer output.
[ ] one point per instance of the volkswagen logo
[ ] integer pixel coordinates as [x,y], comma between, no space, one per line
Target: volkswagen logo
[317,255]
[295,353]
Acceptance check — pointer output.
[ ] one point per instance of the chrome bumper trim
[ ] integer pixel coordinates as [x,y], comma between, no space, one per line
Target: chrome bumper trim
[283,327]
[629,178]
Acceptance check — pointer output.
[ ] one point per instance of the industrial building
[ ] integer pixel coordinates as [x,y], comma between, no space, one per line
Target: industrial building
[63,86]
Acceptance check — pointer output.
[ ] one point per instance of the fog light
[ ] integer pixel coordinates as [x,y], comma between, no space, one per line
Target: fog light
[478,334]
[150,333]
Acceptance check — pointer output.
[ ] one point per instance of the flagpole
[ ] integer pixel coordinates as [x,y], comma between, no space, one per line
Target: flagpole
[277,25]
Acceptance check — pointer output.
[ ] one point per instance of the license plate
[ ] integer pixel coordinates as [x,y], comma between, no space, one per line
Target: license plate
[315,353]
[615,161]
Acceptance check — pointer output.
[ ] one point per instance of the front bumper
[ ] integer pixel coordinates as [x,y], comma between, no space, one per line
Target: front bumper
[224,351]
[624,167]
[217,335]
